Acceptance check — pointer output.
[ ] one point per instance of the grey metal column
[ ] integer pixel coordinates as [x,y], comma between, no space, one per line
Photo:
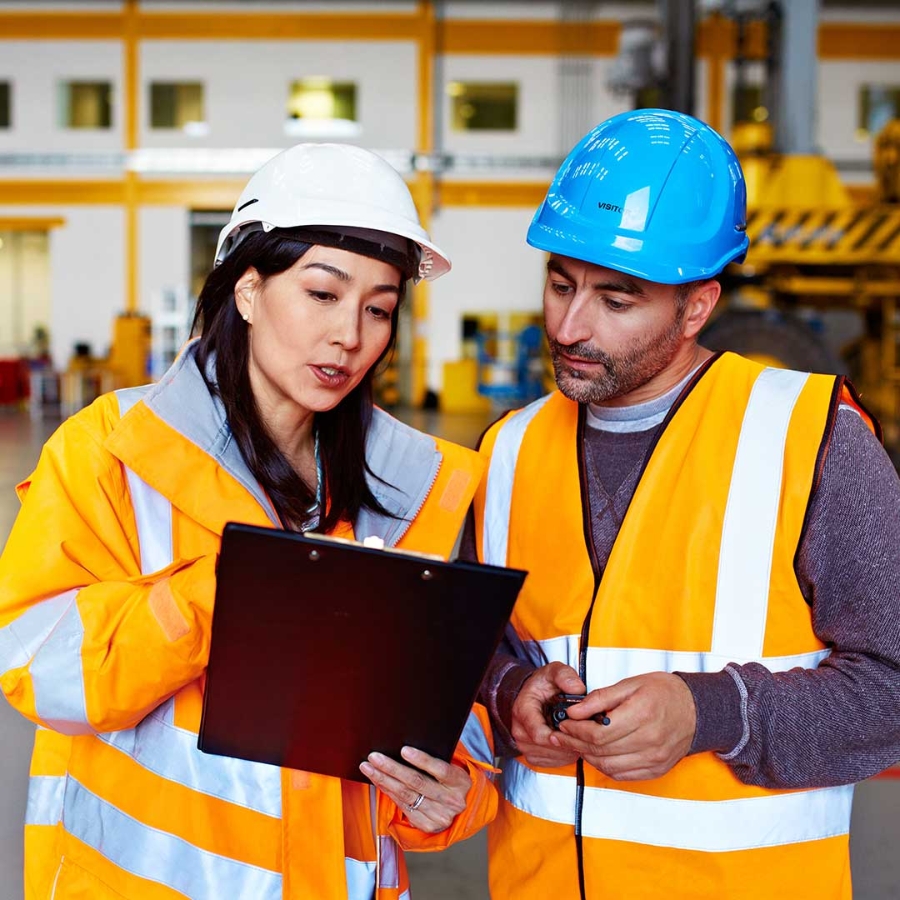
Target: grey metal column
[679,20]
[795,116]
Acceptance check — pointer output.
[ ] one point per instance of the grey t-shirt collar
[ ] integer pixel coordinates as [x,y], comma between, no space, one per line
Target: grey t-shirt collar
[639,416]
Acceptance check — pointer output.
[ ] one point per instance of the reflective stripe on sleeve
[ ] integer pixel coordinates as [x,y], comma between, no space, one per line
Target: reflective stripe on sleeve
[57,676]
[45,799]
[498,499]
[607,665]
[360,879]
[171,752]
[784,818]
[388,862]
[161,857]
[751,515]
[476,741]
[20,640]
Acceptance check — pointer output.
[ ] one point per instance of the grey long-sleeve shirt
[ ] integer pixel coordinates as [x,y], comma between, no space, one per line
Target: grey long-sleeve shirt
[837,724]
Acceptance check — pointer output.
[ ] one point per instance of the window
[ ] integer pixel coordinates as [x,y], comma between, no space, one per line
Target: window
[85,104]
[748,104]
[483,106]
[321,107]
[177,105]
[878,104]
[5,105]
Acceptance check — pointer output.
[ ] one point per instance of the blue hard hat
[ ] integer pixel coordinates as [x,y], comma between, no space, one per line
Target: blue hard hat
[654,193]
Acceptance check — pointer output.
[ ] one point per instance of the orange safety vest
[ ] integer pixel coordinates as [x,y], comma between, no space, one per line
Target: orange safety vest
[701,574]
[106,593]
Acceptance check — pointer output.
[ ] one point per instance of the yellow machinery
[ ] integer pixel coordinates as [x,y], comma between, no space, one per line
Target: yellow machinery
[129,358]
[813,250]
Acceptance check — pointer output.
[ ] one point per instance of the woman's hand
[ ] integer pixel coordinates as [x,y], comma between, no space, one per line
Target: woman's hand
[442,791]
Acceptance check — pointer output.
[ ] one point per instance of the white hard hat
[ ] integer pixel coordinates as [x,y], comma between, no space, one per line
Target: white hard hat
[334,185]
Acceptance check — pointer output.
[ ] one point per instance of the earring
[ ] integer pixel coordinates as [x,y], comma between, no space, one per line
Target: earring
[245,317]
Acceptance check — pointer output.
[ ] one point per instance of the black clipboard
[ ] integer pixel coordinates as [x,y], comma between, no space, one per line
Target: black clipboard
[324,650]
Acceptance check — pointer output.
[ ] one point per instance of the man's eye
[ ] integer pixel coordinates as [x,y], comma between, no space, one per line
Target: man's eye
[561,289]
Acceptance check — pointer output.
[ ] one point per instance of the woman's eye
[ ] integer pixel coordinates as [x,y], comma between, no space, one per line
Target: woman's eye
[324,296]
[379,313]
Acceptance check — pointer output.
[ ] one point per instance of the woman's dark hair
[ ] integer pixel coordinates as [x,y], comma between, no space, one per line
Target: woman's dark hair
[341,431]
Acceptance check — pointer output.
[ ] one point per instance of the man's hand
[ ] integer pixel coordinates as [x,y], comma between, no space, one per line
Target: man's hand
[529,724]
[652,724]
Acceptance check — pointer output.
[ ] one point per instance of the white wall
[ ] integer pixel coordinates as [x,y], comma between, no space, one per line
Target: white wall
[35,70]
[87,275]
[838,101]
[246,88]
[87,265]
[493,270]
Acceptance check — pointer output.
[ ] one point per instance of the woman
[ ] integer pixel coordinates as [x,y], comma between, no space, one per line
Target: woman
[108,577]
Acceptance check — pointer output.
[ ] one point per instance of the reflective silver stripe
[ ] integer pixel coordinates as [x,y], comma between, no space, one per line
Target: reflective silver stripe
[153,514]
[388,862]
[607,665]
[57,676]
[20,640]
[45,799]
[171,752]
[476,740]
[498,499]
[160,856]
[751,514]
[712,826]
[360,879]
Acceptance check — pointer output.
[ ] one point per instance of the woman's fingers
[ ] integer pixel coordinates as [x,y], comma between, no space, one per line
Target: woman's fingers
[442,790]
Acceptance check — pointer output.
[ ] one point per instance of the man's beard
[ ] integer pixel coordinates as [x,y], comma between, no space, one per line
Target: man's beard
[622,373]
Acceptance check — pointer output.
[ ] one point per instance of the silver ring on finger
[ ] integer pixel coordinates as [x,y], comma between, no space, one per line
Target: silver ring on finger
[416,803]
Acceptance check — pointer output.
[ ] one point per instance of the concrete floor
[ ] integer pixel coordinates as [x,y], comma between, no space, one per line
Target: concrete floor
[459,873]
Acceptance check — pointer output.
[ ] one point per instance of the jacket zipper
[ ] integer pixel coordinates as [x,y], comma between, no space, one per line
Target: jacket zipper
[418,509]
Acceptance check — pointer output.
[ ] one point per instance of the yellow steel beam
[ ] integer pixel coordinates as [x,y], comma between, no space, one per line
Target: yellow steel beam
[492,193]
[196,193]
[61,192]
[130,75]
[172,25]
[529,37]
[856,40]
[30,223]
[39,26]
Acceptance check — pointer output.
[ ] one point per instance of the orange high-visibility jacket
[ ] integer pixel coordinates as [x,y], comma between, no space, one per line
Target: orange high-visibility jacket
[701,574]
[106,594]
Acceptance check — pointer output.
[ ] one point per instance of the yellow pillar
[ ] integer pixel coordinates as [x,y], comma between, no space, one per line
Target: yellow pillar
[424,194]
[131,107]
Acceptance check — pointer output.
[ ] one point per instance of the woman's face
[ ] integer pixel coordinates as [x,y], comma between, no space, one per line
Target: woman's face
[317,328]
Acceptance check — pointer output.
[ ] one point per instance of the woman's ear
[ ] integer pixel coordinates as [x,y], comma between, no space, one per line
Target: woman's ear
[245,291]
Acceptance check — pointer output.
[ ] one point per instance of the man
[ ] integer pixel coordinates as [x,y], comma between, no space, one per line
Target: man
[714,556]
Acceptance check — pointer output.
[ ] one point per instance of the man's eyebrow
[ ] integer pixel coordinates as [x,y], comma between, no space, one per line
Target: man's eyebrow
[332,270]
[624,286]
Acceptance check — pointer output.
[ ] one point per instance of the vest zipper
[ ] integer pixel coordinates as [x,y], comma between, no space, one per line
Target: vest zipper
[585,632]
[598,575]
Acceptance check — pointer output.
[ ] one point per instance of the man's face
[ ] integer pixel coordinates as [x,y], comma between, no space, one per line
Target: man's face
[610,334]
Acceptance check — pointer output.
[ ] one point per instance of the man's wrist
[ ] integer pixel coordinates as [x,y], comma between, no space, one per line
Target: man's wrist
[717,700]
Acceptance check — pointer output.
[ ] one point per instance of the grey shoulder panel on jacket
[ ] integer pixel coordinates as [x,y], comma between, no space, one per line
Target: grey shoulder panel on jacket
[403,466]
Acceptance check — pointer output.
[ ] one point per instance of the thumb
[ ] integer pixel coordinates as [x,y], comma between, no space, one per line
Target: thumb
[566,679]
